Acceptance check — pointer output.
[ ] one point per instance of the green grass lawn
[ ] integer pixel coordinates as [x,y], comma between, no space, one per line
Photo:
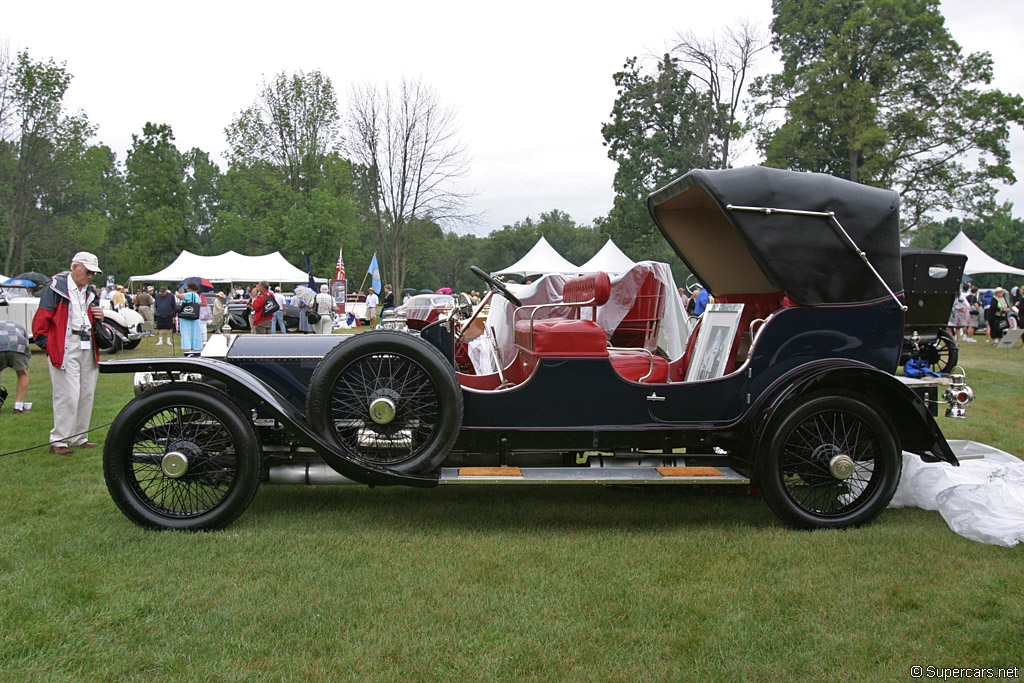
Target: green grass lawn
[490,583]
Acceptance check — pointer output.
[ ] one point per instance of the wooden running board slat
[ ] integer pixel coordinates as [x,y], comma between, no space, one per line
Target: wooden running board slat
[689,472]
[490,472]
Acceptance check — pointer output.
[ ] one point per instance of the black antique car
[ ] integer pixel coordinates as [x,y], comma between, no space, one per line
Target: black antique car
[931,282]
[238,317]
[785,385]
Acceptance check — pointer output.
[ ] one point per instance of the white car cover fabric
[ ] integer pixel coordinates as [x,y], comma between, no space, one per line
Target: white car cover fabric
[673,332]
[982,499]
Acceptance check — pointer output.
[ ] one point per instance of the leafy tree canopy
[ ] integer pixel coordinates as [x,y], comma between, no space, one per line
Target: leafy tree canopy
[877,91]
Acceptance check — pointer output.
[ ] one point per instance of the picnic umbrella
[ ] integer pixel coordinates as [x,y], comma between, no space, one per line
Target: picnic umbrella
[36,278]
[19,282]
[204,284]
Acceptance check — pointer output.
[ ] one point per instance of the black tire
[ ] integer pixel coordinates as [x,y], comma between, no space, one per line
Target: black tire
[800,466]
[132,343]
[942,354]
[383,367]
[222,459]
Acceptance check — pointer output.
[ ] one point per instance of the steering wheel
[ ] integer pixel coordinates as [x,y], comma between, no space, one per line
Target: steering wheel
[496,285]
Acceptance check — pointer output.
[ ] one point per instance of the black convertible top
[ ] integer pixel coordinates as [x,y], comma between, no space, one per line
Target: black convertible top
[740,251]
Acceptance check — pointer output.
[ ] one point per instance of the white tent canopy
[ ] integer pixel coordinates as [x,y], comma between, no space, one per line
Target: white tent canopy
[540,260]
[609,259]
[228,267]
[977,260]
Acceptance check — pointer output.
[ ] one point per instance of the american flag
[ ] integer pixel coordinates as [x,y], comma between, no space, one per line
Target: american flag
[339,273]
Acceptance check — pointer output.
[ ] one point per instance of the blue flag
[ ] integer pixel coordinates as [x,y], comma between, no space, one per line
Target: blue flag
[374,272]
[309,272]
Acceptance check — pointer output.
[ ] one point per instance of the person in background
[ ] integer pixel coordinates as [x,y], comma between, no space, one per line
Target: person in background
[997,314]
[165,310]
[684,298]
[972,300]
[260,320]
[117,300]
[371,307]
[191,337]
[144,305]
[960,317]
[15,354]
[63,327]
[219,309]
[323,304]
[205,316]
[303,299]
[700,300]
[278,319]
[388,303]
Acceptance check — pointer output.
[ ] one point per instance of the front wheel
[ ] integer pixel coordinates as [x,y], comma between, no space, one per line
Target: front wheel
[182,457]
[832,462]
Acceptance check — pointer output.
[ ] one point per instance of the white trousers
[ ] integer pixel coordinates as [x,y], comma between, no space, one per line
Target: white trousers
[73,390]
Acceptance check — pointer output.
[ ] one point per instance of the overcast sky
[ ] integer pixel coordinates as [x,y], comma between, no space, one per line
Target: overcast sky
[531,82]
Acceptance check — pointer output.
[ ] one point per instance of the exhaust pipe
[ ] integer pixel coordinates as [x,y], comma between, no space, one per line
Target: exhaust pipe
[308,473]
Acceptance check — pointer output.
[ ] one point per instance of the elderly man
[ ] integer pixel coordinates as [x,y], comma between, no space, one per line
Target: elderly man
[15,354]
[63,326]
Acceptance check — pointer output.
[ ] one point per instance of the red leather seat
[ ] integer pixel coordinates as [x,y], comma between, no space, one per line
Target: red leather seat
[562,337]
[633,365]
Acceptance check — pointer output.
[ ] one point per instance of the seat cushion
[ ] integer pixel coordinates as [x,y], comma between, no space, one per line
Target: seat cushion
[633,365]
[561,337]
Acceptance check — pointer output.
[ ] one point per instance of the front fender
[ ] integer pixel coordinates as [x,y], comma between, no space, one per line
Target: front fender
[912,424]
[267,397]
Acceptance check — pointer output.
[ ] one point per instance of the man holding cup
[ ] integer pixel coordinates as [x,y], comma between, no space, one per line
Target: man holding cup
[63,326]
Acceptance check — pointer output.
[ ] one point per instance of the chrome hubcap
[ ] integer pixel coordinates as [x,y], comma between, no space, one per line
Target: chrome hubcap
[382,411]
[174,464]
[841,467]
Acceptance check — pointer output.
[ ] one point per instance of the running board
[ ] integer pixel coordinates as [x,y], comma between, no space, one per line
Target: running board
[591,475]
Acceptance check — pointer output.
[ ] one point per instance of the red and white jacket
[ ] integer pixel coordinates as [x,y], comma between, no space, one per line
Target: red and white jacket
[50,324]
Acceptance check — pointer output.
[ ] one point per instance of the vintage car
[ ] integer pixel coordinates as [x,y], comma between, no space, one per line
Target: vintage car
[931,282]
[785,385]
[418,312]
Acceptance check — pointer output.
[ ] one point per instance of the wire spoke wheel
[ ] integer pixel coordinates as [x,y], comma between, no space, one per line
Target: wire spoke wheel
[206,448]
[385,408]
[387,399]
[182,457]
[832,462]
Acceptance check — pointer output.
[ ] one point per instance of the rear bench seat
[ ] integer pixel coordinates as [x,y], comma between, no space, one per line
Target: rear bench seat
[573,337]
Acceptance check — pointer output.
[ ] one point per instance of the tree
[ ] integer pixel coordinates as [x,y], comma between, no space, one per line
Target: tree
[155,225]
[287,186]
[877,91]
[410,162]
[722,66]
[37,135]
[662,126]
[202,180]
[293,127]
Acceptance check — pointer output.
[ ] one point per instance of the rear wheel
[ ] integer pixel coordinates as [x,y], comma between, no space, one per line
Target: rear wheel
[831,462]
[942,354]
[387,399]
[182,457]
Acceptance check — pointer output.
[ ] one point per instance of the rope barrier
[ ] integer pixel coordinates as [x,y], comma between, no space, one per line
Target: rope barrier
[43,445]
